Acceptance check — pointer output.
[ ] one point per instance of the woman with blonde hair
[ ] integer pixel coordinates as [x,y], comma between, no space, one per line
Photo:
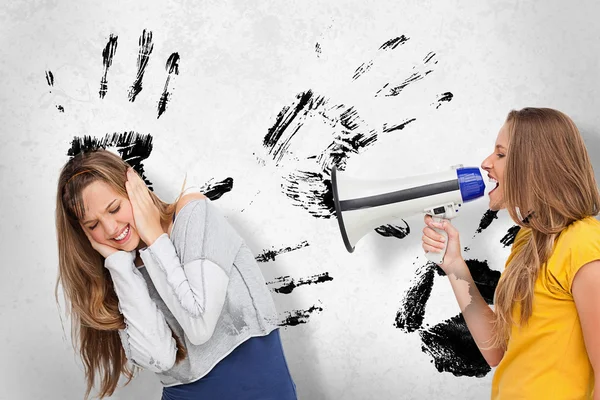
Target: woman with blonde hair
[543,334]
[171,288]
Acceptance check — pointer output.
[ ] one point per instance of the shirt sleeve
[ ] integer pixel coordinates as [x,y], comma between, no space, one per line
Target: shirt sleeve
[193,284]
[583,251]
[147,339]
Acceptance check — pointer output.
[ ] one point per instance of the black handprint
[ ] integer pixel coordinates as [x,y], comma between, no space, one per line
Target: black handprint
[146,45]
[450,343]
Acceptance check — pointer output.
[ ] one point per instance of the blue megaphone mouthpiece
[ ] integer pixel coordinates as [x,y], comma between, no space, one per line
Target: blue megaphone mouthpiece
[471,183]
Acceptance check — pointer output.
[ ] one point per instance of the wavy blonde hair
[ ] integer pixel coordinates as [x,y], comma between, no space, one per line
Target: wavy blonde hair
[88,288]
[549,184]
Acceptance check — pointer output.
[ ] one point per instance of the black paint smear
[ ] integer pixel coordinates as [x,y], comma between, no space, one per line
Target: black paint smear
[49,78]
[410,316]
[444,97]
[450,342]
[296,113]
[289,284]
[298,317]
[414,77]
[107,57]
[311,191]
[146,47]
[364,67]
[172,67]
[269,255]
[486,220]
[351,135]
[393,43]
[50,81]
[354,137]
[389,45]
[394,230]
[510,236]
[485,278]
[133,147]
[398,126]
[318,49]
[453,349]
[215,190]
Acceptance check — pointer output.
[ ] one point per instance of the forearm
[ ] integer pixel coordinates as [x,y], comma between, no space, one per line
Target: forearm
[194,292]
[476,312]
[147,339]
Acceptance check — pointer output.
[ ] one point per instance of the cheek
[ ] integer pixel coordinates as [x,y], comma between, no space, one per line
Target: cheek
[98,234]
[126,213]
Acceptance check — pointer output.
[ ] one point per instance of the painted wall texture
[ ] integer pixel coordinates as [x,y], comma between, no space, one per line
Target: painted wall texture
[255,102]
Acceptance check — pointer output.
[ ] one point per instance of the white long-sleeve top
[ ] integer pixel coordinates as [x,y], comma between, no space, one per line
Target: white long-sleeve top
[202,283]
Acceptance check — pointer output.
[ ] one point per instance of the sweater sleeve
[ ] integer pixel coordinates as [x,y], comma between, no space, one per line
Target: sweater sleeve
[147,338]
[193,284]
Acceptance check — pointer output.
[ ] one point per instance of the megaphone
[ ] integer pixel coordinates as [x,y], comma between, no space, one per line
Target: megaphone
[363,205]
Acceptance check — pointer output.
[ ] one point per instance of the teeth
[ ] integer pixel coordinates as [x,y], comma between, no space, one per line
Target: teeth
[493,180]
[122,235]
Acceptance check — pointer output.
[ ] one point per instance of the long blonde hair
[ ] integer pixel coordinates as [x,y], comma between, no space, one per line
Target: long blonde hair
[88,288]
[548,184]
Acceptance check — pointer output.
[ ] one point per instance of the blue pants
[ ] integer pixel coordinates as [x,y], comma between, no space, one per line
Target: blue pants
[255,370]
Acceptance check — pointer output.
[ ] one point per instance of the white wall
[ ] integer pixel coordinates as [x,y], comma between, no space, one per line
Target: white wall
[241,63]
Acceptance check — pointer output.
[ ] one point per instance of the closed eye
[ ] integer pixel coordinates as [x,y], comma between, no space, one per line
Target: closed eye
[500,155]
[116,210]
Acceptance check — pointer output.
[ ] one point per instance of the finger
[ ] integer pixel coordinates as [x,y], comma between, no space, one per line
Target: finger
[129,190]
[431,249]
[433,243]
[133,196]
[139,186]
[433,234]
[136,178]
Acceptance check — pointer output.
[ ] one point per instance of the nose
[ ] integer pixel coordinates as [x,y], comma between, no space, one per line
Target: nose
[111,227]
[486,164]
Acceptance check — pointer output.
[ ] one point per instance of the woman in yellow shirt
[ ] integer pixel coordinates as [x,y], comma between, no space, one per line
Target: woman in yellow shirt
[544,332]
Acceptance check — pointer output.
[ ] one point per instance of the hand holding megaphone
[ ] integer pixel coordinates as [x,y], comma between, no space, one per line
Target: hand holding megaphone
[441,242]
[437,217]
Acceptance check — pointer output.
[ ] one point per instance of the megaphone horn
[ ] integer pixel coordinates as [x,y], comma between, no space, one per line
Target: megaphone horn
[363,205]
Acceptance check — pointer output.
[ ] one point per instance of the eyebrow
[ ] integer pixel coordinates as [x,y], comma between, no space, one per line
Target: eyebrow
[499,146]
[106,209]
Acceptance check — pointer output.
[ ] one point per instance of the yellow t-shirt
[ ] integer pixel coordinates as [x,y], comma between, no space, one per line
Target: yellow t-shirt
[546,359]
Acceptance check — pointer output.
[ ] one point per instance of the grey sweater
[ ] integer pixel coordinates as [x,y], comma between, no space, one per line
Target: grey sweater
[202,283]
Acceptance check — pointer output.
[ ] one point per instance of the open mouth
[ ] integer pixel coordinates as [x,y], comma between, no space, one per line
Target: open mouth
[495,187]
[124,236]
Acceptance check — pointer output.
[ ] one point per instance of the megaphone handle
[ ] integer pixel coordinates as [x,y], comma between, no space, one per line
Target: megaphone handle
[438,257]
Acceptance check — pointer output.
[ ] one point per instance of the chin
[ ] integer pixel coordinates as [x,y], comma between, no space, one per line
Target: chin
[133,244]
[496,206]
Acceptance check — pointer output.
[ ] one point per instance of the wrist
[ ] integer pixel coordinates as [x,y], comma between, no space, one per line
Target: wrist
[151,238]
[457,268]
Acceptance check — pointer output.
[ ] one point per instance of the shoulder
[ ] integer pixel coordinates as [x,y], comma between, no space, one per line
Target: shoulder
[581,231]
[578,245]
[186,199]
